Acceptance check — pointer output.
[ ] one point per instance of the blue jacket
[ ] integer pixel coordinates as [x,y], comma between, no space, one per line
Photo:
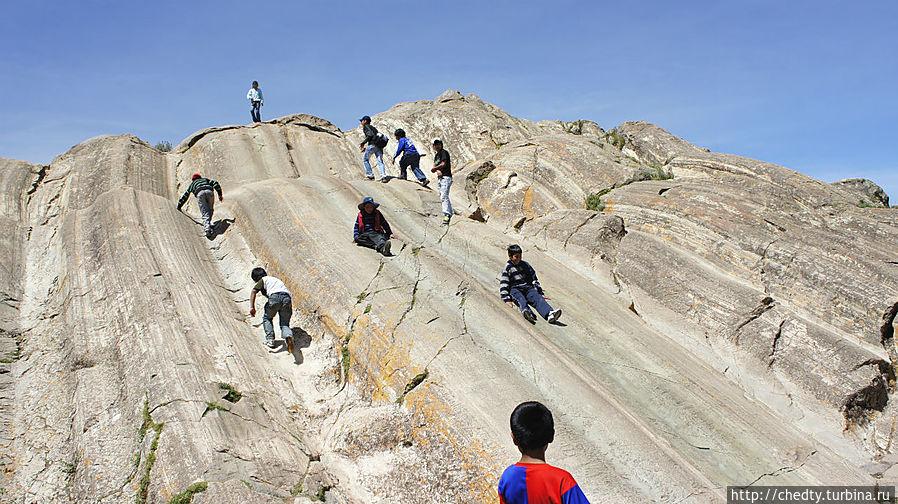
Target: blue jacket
[405,145]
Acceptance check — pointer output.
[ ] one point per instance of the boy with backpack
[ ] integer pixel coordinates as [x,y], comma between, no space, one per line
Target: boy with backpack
[376,143]
[371,228]
[410,157]
[531,479]
[442,166]
[202,188]
[279,303]
[519,285]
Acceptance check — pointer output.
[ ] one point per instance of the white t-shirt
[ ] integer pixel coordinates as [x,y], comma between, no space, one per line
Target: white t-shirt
[271,285]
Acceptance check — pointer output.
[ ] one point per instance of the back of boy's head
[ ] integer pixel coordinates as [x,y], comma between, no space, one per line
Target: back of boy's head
[257,274]
[532,426]
[514,249]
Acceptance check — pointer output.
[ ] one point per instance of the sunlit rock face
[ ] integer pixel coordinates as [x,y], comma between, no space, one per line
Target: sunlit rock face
[725,321]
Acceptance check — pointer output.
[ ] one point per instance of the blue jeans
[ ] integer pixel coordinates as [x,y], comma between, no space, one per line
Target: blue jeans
[528,295]
[256,111]
[443,185]
[377,151]
[281,305]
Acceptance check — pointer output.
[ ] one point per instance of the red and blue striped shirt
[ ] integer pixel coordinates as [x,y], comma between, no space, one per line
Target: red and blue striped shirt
[539,484]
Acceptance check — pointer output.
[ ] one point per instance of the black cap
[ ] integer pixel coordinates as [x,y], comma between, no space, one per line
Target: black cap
[365,118]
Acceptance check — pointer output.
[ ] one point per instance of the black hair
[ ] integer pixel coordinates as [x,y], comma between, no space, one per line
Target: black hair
[256,83]
[438,142]
[257,274]
[400,133]
[532,425]
[514,248]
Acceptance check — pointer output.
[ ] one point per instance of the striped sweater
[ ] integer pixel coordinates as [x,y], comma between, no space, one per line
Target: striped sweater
[199,184]
[517,275]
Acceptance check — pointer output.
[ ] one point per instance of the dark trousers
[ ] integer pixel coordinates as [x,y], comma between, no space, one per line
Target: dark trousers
[412,160]
[372,239]
[528,295]
[256,111]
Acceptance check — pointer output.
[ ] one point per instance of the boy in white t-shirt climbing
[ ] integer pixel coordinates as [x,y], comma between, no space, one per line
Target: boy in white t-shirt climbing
[279,303]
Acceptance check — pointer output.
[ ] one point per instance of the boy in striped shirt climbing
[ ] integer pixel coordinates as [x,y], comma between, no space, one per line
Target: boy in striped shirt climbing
[519,286]
[202,188]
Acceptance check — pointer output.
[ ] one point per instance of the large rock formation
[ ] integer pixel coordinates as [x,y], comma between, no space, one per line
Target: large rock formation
[726,321]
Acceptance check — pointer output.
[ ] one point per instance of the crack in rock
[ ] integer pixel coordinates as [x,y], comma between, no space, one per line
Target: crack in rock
[766,304]
[773,346]
[782,470]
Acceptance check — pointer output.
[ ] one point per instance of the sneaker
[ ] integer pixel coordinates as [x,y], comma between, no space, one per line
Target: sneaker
[369,177]
[529,316]
[446,219]
[385,250]
[289,341]
[270,344]
[553,316]
[423,182]
[384,179]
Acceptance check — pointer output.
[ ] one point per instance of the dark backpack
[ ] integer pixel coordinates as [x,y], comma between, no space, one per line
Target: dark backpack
[381,140]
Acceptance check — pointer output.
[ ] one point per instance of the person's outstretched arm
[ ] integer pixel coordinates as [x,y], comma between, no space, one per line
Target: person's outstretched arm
[217,187]
[504,291]
[386,226]
[252,303]
[184,196]
[536,284]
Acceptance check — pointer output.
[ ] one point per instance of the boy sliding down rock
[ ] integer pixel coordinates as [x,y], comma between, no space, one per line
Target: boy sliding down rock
[519,285]
[279,303]
[371,228]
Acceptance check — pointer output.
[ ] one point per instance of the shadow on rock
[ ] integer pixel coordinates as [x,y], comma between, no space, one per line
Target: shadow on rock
[219,227]
[301,339]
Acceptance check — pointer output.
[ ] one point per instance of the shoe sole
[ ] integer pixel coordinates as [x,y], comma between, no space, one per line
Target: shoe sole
[386,248]
[530,317]
[555,316]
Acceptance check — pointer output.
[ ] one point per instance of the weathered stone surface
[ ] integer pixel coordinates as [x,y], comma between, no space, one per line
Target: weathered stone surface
[723,327]
[870,194]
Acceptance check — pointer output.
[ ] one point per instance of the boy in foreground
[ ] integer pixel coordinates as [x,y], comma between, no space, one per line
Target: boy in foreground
[532,480]
[519,285]
[279,303]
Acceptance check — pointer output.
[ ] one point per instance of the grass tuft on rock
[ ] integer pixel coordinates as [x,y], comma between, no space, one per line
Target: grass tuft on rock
[233,395]
[186,497]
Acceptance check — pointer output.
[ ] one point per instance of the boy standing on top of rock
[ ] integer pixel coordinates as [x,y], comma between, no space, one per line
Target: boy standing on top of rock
[202,188]
[371,228]
[254,95]
[442,166]
[371,139]
[279,303]
[519,285]
[531,479]
[410,157]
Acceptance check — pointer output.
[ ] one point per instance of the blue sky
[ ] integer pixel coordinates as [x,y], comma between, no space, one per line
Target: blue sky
[810,85]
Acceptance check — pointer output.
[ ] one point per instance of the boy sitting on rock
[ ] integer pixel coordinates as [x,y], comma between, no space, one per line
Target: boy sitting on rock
[519,285]
[371,228]
[532,479]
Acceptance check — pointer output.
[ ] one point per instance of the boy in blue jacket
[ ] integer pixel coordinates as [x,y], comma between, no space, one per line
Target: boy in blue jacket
[410,157]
